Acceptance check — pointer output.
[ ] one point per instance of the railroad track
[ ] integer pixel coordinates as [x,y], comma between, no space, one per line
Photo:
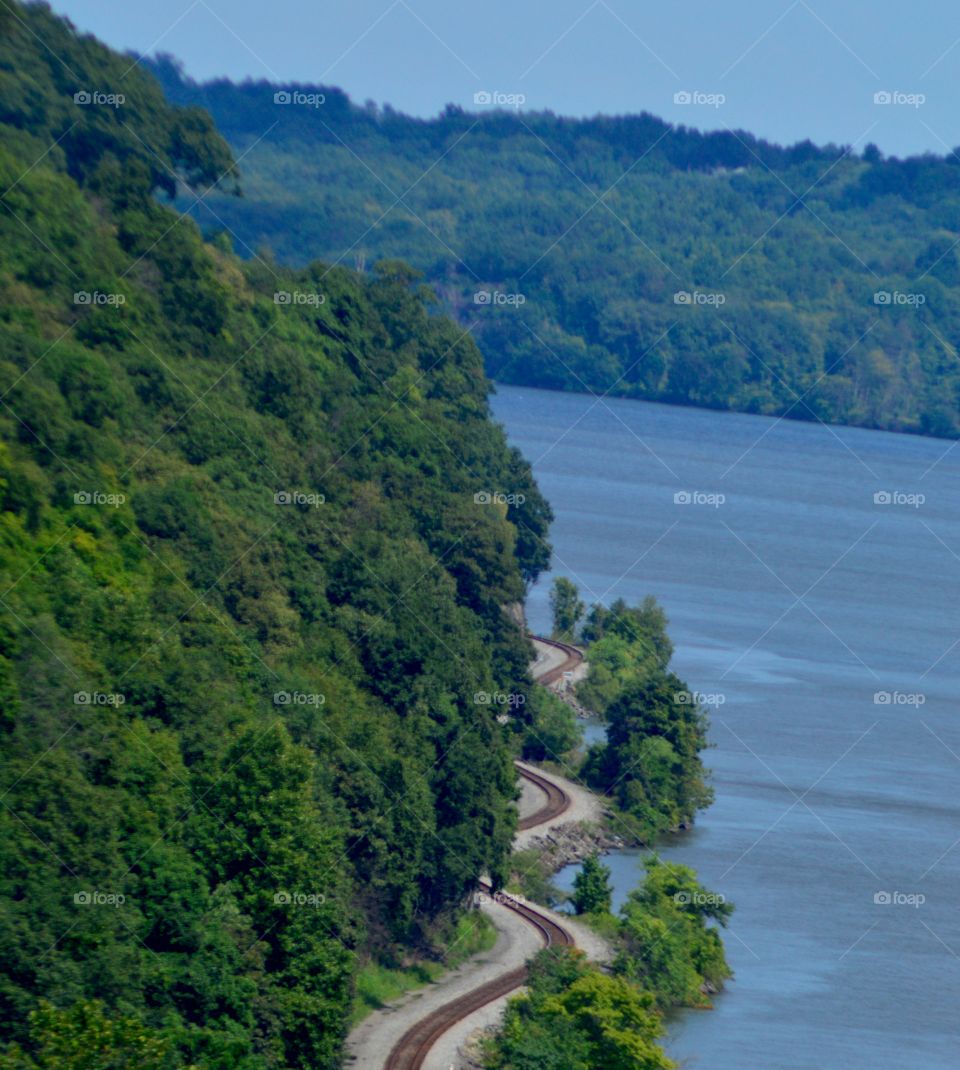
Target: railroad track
[557,800]
[573,658]
[411,1050]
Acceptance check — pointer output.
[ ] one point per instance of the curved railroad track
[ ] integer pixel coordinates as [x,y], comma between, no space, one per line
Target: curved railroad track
[410,1052]
[557,800]
[573,658]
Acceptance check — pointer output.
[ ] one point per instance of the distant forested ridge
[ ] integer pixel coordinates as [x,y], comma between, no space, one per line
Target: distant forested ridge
[258,531]
[624,254]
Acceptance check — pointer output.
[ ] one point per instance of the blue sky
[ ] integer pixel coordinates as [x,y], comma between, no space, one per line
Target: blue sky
[782,69]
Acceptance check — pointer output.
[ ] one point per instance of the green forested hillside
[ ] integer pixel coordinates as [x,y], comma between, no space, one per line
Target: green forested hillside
[624,254]
[254,560]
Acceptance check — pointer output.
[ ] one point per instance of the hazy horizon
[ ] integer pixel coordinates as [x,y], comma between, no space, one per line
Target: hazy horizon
[789,74]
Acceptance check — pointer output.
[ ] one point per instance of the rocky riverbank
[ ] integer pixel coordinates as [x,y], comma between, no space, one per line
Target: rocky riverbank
[561,845]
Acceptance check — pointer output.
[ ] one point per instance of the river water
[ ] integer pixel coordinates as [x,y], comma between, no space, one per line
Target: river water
[815,610]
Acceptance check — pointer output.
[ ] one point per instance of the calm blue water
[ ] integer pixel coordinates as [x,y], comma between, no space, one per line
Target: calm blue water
[792,605]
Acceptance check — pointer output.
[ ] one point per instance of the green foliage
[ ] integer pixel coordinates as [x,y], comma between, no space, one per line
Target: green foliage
[797,242]
[573,1017]
[656,729]
[627,644]
[550,730]
[380,982]
[668,954]
[70,93]
[530,872]
[566,608]
[84,1038]
[249,595]
[666,943]
[592,892]
[651,761]
[644,625]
